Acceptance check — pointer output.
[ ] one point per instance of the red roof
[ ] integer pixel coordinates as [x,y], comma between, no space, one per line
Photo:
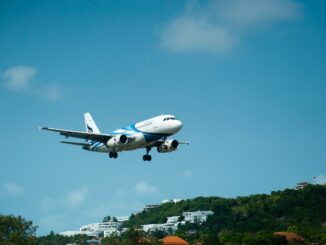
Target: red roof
[290,236]
[173,240]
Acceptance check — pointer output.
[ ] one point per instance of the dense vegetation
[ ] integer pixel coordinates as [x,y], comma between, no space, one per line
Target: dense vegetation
[56,239]
[251,219]
[16,230]
[242,220]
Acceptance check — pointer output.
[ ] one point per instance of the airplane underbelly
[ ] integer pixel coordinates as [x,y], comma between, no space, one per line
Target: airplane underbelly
[138,142]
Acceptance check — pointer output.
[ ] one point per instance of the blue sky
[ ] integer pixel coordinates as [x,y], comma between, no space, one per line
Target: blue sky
[247,78]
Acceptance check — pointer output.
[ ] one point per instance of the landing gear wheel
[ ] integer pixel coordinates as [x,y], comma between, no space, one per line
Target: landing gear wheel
[147,157]
[113,155]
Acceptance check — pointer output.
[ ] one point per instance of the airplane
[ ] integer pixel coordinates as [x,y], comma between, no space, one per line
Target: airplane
[146,134]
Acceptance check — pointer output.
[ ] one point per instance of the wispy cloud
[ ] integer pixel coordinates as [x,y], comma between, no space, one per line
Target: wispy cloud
[23,79]
[13,189]
[19,77]
[219,26]
[143,188]
[320,179]
[187,174]
[76,197]
[72,200]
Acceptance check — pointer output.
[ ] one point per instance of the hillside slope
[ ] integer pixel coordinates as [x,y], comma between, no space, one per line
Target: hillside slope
[302,211]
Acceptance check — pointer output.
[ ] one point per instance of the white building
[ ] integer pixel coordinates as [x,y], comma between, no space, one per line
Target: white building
[96,229]
[150,206]
[110,231]
[122,218]
[173,219]
[171,225]
[171,201]
[167,227]
[197,216]
[71,233]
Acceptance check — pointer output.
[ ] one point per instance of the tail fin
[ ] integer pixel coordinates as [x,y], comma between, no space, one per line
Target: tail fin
[90,124]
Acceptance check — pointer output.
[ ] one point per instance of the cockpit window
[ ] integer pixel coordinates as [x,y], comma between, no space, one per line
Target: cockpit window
[169,118]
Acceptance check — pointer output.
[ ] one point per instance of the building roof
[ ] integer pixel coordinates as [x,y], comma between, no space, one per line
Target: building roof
[290,236]
[173,240]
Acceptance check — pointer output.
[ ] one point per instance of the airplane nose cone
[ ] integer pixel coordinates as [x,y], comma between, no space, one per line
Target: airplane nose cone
[178,125]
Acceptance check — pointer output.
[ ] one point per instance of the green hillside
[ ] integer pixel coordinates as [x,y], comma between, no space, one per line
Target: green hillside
[301,211]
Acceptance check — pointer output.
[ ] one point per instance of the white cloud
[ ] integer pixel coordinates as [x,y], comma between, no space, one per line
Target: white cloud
[13,189]
[22,79]
[187,174]
[257,12]
[320,179]
[47,203]
[76,197]
[19,77]
[144,188]
[51,92]
[188,33]
[218,26]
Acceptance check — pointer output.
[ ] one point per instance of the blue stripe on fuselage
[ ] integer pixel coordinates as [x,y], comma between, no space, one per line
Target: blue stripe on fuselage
[148,136]
[98,146]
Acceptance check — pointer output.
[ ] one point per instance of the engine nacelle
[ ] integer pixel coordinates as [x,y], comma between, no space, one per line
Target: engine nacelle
[168,146]
[117,140]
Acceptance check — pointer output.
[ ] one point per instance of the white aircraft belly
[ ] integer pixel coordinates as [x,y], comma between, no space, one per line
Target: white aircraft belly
[139,142]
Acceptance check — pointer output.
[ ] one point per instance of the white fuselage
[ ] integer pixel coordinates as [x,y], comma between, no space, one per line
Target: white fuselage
[144,134]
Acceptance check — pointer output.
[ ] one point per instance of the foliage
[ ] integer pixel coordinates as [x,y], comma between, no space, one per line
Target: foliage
[107,219]
[249,220]
[133,236]
[56,239]
[16,230]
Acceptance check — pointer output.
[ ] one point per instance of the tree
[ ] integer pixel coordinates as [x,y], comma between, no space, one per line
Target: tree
[16,230]
[134,236]
[107,219]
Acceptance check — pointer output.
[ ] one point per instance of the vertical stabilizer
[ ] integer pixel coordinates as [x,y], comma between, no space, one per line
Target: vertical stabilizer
[90,124]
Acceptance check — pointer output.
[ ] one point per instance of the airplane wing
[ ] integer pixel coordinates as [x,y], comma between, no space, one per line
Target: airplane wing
[84,135]
[81,135]
[75,143]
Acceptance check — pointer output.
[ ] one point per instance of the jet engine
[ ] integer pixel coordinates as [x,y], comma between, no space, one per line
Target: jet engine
[168,146]
[117,140]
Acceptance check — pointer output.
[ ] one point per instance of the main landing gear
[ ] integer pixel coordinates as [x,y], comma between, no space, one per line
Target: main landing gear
[113,155]
[147,157]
